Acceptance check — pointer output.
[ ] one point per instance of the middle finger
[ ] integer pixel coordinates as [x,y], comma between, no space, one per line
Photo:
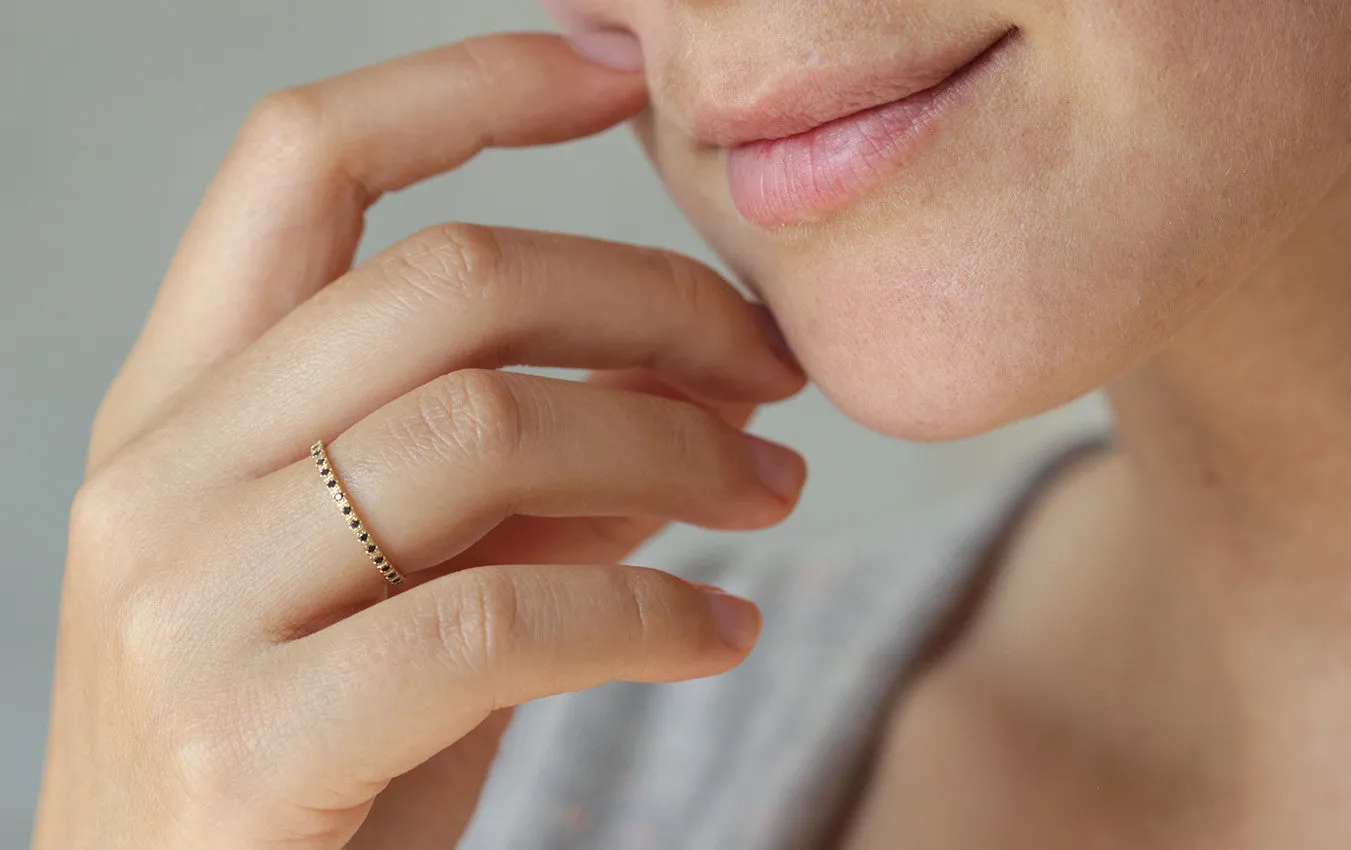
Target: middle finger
[464,296]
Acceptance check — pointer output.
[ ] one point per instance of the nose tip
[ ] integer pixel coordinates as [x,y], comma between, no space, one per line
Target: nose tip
[613,48]
[563,13]
[596,34]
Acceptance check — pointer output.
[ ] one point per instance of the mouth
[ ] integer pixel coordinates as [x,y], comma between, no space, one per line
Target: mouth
[807,150]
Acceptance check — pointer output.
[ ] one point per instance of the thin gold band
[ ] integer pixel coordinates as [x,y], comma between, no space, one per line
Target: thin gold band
[349,514]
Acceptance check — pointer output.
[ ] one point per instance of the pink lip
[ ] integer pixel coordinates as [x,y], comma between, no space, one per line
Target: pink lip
[817,167]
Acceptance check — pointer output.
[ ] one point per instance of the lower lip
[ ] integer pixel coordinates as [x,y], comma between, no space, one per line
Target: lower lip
[783,181]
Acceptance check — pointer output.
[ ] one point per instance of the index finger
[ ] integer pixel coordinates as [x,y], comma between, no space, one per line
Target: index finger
[285,213]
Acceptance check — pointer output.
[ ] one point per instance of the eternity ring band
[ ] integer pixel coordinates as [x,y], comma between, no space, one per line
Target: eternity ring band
[349,515]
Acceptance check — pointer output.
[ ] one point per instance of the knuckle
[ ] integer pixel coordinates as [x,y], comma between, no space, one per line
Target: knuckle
[478,63]
[616,536]
[720,453]
[152,615]
[473,412]
[702,294]
[688,435]
[696,441]
[450,262]
[110,521]
[146,624]
[477,621]
[689,282]
[637,592]
[97,511]
[203,757]
[634,588]
[472,248]
[213,758]
[287,124]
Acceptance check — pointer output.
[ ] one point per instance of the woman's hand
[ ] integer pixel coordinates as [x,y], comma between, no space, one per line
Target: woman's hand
[232,671]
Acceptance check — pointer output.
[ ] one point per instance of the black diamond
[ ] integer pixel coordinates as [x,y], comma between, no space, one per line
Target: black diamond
[379,559]
[364,537]
[332,483]
[346,509]
[323,470]
[356,523]
[370,548]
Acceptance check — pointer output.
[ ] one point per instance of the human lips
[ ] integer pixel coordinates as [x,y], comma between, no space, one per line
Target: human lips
[815,143]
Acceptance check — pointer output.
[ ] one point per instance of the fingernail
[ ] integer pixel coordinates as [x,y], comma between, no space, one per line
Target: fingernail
[780,468]
[736,620]
[617,49]
[774,335]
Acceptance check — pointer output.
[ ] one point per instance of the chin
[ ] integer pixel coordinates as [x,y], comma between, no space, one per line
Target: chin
[942,324]
[919,365]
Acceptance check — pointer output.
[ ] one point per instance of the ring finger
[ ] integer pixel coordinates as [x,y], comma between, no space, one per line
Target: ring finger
[432,472]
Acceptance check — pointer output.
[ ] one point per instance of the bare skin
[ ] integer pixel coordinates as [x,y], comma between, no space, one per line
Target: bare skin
[1161,661]
[1154,199]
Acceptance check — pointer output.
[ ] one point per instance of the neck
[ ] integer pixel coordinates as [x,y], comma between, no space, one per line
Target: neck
[1235,555]
[1239,435]
[1178,609]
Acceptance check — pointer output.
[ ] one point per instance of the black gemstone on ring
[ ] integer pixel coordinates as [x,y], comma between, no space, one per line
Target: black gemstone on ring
[379,559]
[356,523]
[370,548]
[332,483]
[364,537]
[323,470]
[346,509]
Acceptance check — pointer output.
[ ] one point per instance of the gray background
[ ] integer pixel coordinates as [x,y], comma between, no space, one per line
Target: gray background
[112,117]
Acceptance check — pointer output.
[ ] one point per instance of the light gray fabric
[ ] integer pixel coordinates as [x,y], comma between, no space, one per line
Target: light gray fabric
[754,759]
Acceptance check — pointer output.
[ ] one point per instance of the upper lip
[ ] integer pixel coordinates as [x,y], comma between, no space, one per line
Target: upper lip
[804,99]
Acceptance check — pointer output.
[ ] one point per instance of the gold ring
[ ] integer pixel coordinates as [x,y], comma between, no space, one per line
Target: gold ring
[349,514]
